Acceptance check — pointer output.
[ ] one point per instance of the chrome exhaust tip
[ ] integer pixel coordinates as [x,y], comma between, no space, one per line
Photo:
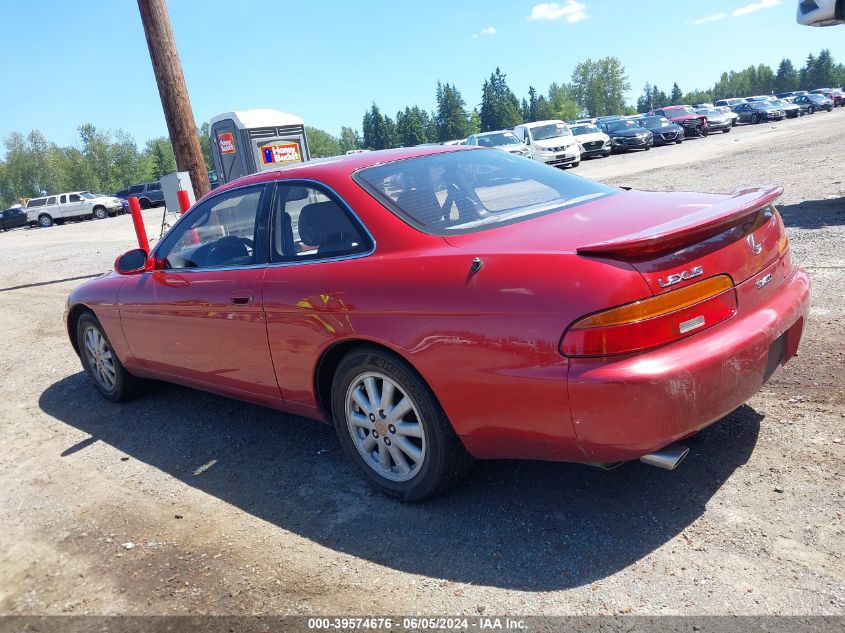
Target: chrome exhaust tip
[667,457]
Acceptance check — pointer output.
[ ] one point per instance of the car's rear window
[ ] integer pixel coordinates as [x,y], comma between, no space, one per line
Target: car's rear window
[461,192]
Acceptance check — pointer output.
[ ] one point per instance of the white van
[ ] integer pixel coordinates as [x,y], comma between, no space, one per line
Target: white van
[550,142]
[49,210]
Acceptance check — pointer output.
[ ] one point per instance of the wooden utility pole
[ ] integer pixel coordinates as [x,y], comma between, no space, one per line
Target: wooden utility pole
[174,93]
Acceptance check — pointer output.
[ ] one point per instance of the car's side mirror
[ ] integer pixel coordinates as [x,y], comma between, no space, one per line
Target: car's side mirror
[131,262]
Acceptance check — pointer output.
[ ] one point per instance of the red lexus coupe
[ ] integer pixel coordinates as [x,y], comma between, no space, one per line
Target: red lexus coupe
[443,304]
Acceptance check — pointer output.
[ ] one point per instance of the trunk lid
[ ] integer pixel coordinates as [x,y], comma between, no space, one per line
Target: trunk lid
[671,238]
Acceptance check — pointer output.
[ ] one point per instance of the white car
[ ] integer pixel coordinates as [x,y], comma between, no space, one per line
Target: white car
[504,140]
[50,210]
[593,141]
[550,142]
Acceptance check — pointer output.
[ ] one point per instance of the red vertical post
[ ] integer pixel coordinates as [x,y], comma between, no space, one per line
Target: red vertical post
[184,200]
[138,221]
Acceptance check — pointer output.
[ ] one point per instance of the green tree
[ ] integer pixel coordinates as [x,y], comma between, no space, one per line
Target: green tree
[561,103]
[321,143]
[676,95]
[599,86]
[158,157]
[205,145]
[349,139]
[413,126]
[499,105]
[452,120]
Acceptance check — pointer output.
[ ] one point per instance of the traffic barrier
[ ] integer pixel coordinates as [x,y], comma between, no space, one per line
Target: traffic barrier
[184,200]
[138,221]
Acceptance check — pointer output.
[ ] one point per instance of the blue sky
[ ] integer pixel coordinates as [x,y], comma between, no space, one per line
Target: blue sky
[72,62]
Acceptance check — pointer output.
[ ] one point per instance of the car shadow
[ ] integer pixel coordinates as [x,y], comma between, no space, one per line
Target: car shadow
[814,214]
[511,524]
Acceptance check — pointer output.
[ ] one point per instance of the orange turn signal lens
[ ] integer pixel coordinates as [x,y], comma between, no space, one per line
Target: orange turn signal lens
[659,305]
[783,244]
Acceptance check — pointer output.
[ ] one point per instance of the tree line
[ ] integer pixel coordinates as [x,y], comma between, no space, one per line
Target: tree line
[105,161]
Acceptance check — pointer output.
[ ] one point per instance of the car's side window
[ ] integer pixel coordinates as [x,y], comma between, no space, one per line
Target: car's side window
[75,197]
[220,233]
[308,223]
[51,200]
[154,186]
[62,199]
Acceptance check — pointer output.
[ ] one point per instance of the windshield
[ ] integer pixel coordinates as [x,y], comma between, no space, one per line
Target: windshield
[460,192]
[780,103]
[87,195]
[815,97]
[680,111]
[496,139]
[616,126]
[585,129]
[552,130]
[651,122]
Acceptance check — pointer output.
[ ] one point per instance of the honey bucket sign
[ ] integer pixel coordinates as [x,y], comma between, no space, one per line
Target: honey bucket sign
[280,153]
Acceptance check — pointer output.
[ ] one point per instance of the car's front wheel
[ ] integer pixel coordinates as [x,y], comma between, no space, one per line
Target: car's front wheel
[755,118]
[102,364]
[811,110]
[390,424]
[100,213]
[726,130]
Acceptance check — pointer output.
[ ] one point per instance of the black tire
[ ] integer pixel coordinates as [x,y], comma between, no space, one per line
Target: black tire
[144,203]
[575,164]
[126,386]
[705,133]
[755,118]
[648,147]
[811,110]
[45,221]
[100,213]
[726,130]
[445,461]
[679,141]
[606,154]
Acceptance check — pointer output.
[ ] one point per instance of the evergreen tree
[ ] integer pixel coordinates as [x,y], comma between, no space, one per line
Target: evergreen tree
[786,77]
[676,95]
[499,105]
[452,118]
[349,139]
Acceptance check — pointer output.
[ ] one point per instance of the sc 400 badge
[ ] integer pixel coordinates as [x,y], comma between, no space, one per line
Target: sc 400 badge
[677,278]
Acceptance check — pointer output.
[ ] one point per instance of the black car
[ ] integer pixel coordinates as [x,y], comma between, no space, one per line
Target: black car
[813,103]
[663,131]
[12,219]
[758,111]
[149,194]
[626,134]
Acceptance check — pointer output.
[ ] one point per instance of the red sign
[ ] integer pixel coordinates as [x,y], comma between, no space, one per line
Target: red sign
[227,143]
[281,153]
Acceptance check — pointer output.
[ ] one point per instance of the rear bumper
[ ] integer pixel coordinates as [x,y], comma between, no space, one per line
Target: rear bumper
[626,407]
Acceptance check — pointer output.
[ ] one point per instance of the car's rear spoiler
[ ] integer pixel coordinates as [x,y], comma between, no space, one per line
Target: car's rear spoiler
[688,229]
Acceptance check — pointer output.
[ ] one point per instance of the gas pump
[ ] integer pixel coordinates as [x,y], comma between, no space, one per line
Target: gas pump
[253,141]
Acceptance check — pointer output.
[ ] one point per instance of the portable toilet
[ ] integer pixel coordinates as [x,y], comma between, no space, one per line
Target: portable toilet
[253,141]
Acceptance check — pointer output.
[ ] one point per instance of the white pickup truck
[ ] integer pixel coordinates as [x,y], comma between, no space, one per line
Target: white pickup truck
[49,210]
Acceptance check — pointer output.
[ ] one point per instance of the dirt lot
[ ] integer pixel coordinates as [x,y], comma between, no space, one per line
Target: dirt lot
[184,502]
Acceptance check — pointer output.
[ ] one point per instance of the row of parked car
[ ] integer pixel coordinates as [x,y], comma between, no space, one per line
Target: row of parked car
[561,144]
[46,211]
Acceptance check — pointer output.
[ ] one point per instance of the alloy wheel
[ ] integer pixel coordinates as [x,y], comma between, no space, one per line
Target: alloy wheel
[385,426]
[100,358]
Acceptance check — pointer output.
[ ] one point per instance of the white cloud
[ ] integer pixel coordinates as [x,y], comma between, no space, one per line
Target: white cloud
[710,18]
[490,30]
[754,6]
[571,10]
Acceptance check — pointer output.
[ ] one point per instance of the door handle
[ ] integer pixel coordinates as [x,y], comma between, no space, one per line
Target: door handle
[243,298]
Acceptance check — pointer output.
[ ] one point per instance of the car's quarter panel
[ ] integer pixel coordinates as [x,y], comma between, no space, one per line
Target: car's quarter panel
[100,296]
[182,325]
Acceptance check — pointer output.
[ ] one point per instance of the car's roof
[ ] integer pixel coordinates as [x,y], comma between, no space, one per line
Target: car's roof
[539,123]
[490,133]
[344,166]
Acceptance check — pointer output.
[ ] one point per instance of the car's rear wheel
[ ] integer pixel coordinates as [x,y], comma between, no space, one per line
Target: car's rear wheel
[755,118]
[390,424]
[100,361]
[45,221]
[144,203]
[100,213]
[811,110]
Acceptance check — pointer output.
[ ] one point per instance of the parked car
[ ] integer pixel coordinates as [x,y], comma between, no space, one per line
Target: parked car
[504,140]
[727,110]
[663,131]
[729,102]
[49,210]
[593,141]
[149,194]
[12,219]
[811,103]
[551,142]
[758,111]
[694,124]
[619,303]
[717,120]
[834,94]
[759,98]
[785,95]
[703,106]
[790,110]
[626,135]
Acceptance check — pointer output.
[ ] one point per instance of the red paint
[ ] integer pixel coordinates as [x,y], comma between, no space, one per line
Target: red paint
[487,344]
[184,200]
[138,221]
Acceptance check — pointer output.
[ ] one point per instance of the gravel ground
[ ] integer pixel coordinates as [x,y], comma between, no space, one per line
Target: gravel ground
[185,502]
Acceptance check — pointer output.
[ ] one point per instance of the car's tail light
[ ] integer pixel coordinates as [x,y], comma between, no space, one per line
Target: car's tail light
[652,322]
[783,244]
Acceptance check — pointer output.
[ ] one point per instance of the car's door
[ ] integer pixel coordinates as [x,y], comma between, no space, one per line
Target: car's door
[198,317]
[4,222]
[318,252]
[75,206]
